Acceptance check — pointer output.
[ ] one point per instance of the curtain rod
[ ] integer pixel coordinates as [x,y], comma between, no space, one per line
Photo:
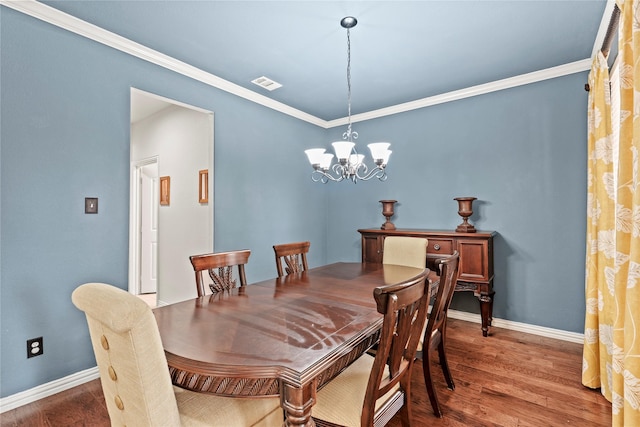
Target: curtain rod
[611,30]
[609,35]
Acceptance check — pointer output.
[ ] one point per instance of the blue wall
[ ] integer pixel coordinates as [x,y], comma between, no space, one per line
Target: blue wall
[522,153]
[65,136]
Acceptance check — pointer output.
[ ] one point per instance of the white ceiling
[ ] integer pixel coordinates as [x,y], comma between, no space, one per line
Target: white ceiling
[143,106]
[402,51]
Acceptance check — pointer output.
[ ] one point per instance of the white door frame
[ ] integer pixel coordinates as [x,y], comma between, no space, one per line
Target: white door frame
[166,292]
[134,222]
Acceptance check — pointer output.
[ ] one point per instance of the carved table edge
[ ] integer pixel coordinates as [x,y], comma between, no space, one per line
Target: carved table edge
[261,387]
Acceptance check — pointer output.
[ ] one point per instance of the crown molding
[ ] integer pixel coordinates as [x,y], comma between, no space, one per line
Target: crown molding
[511,82]
[65,21]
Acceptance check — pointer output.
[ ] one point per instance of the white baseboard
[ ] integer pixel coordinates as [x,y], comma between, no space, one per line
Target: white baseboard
[56,386]
[40,392]
[558,334]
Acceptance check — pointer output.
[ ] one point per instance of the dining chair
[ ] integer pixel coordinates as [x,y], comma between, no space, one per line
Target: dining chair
[219,267]
[435,333]
[403,250]
[373,389]
[294,256]
[134,373]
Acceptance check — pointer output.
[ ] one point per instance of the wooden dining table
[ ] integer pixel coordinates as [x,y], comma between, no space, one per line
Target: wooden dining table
[280,337]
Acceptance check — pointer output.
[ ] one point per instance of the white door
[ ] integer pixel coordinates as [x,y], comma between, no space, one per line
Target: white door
[149,229]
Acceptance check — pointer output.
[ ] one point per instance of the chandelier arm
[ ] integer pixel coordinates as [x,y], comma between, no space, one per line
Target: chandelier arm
[377,172]
[340,169]
[362,167]
[317,176]
[324,177]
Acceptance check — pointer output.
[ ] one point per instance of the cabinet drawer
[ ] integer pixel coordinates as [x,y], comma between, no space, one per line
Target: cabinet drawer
[440,246]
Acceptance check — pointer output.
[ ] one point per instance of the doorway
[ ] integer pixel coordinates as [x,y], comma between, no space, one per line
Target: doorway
[175,140]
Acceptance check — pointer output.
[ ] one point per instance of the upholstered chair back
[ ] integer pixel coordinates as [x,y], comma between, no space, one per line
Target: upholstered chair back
[128,350]
[402,250]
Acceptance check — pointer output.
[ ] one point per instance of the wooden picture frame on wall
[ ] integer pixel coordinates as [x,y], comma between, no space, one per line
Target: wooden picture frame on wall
[165,190]
[203,186]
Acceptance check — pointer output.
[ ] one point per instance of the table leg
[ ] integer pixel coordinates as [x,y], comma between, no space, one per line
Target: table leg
[297,402]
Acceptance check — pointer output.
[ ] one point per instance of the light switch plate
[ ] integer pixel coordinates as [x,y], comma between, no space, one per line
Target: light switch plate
[91,205]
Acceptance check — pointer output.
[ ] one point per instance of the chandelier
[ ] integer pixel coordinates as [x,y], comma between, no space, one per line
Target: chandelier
[350,165]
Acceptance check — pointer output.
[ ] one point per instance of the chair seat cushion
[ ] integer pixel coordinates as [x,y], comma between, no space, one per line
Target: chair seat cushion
[341,400]
[200,409]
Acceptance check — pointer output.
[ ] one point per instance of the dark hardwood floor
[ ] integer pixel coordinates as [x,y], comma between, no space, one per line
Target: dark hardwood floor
[507,379]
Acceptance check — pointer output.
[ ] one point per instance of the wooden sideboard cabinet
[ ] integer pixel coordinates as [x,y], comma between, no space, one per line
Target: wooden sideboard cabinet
[476,259]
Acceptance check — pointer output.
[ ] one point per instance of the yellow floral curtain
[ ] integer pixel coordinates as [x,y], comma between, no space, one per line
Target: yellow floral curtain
[600,226]
[611,358]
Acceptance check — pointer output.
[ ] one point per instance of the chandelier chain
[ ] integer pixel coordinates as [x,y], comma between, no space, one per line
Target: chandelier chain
[350,135]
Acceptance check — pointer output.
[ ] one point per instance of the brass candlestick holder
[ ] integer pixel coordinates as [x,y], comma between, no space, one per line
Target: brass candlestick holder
[387,211]
[465,210]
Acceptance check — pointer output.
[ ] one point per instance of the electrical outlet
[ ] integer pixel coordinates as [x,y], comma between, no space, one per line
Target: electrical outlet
[34,347]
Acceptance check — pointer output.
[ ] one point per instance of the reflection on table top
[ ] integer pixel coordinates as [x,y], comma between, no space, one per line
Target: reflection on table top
[278,327]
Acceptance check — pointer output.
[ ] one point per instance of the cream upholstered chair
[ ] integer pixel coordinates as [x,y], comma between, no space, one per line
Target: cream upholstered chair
[373,389]
[219,268]
[402,250]
[135,376]
[294,256]
[409,251]
[434,336]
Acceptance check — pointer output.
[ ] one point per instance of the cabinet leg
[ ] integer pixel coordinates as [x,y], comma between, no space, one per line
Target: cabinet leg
[486,311]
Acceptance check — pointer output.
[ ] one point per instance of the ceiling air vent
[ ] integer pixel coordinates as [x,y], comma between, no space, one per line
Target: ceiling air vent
[266,83]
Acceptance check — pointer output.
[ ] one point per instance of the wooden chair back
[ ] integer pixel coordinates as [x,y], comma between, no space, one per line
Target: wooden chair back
[219,268]
[435,332]
[403,250]
[404,307]
[294,255]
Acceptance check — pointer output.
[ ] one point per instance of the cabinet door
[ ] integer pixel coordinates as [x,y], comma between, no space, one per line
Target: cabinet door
[474,260]
[372,248]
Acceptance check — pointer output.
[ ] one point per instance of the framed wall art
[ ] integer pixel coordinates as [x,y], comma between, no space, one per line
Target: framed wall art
[165,190]
[203,186]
